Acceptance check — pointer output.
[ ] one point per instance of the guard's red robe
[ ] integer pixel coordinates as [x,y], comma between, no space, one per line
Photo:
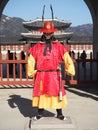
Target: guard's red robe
[47,81]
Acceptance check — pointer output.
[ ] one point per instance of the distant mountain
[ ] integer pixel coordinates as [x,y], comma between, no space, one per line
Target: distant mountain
[82,33]
[11,28]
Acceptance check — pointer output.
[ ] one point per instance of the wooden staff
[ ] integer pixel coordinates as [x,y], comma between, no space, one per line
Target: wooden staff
[60,91]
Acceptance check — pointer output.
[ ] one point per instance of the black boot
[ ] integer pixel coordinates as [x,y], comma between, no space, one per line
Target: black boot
[60,115]
[40,114]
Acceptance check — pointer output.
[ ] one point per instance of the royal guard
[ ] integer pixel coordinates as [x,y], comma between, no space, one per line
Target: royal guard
[44,64]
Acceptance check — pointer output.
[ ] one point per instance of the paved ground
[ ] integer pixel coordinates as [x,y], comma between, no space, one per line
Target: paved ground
[82,110]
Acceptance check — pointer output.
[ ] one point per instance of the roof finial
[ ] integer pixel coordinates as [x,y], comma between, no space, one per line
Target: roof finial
[43,13]
[52,12]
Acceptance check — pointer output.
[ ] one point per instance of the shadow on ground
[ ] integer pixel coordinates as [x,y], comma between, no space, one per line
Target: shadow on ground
[88,91]
[25,107]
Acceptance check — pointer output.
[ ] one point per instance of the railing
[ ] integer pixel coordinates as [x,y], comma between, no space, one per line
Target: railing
[86,72]
[18,76]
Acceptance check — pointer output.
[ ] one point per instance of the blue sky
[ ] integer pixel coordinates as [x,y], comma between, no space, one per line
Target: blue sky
[75,11]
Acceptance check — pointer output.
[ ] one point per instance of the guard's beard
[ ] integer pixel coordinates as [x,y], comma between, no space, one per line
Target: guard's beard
[48,43]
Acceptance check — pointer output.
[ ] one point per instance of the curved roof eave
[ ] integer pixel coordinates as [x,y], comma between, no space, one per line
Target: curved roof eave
[38,23]
[39,35]
[35,37]
[40,20]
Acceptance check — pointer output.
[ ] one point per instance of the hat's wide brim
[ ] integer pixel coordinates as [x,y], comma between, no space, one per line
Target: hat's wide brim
[48,30]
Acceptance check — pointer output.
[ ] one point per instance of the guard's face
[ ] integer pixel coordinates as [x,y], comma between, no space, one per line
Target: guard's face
[48,35]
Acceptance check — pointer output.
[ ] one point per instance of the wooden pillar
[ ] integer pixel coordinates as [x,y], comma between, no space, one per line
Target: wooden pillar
[0,59]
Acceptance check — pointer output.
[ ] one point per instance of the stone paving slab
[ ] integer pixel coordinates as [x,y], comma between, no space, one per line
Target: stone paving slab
[49,123]
[16,110]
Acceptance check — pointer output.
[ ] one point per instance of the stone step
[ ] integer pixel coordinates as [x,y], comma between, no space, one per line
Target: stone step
[52,123]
